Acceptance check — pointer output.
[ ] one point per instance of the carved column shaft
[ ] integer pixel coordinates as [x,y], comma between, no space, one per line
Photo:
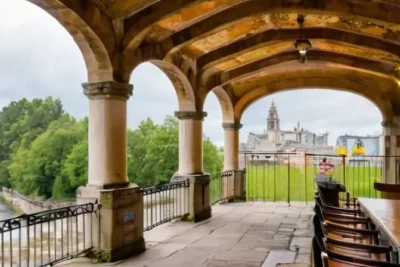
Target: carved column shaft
[190,142]
[107,133]
[231,150]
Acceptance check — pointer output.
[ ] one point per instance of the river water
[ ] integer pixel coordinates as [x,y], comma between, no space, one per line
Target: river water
[5,212]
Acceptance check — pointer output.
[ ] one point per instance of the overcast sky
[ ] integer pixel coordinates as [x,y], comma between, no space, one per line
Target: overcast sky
[38,58]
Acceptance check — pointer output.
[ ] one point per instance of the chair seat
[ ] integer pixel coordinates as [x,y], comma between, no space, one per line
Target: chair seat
[355,238]
[346,251]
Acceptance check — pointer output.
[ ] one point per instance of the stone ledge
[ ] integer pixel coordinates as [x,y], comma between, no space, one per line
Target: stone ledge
[107,90]
[190,115]
[232,126]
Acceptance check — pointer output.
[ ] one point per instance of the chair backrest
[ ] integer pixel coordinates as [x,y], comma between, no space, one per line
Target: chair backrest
[358,261]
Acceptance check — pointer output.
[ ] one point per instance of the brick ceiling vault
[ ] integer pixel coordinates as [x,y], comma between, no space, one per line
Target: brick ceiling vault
[242,50]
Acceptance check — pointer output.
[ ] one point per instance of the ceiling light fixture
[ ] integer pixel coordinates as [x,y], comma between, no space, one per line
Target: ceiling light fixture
[302,45]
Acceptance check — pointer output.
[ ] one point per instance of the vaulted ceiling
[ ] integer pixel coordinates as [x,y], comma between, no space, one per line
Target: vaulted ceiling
[241,49]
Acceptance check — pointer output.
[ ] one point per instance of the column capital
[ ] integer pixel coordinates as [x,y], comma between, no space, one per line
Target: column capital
[190,115]
[385,123]
[232,126]
[112,90]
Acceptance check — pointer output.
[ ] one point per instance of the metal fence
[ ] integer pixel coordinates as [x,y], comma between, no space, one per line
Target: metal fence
[46,238]
[221,187]
[290,176]
[165,203]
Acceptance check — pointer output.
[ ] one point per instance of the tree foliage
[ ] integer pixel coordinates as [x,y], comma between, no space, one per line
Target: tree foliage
[44,151]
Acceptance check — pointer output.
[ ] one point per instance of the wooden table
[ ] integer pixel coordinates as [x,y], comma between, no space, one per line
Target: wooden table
[385,214]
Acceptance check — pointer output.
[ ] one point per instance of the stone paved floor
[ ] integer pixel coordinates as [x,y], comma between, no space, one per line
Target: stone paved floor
[239,234]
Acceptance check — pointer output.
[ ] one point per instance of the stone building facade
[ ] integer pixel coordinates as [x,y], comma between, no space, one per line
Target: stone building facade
[276,140]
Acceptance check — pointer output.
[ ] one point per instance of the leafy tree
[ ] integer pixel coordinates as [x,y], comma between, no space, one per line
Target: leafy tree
[163,151]
[20,123]
[212,158]
[138,141]
[153,153]
[74,172]
[44,152]
[34,171]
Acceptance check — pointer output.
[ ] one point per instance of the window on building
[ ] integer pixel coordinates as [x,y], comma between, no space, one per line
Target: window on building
[271,125]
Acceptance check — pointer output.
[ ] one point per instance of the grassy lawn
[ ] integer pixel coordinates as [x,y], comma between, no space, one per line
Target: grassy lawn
[283,183]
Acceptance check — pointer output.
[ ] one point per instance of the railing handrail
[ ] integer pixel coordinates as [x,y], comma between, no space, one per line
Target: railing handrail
[269,153]
[165,187]
[70,236]
[162,203]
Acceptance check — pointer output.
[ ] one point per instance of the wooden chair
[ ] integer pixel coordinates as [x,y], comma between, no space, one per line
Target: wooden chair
[332,259]
[346,250]
[346,219]
[388,191]
[352,211]
[343,233]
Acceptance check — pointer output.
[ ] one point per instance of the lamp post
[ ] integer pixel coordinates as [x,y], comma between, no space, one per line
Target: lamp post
[302,45]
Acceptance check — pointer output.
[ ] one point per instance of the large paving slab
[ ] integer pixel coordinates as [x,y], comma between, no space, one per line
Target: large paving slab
[276,257]
[238,235]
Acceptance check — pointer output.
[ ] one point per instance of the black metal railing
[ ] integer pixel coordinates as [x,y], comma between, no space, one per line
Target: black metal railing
[46,238]
[291,177]
[164,203]
[221,187]
[272,177]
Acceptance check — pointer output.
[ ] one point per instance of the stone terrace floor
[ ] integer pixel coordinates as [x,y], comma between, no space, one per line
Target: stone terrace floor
[239,234]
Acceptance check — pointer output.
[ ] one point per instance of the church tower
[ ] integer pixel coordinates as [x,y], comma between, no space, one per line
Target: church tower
[273,119]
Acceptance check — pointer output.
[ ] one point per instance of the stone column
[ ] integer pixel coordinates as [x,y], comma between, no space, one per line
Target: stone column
[191,164]
[391,132]
[118,228]
[231,150]
[231,159]
[190,142]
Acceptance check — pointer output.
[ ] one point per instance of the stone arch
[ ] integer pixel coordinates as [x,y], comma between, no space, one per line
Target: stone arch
[97,60]
[381,101]
[225,103]
[183,88]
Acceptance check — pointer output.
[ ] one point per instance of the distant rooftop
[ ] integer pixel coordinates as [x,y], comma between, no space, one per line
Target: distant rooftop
[348,136]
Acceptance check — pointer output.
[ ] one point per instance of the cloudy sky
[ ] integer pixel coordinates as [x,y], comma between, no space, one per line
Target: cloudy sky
[38,58]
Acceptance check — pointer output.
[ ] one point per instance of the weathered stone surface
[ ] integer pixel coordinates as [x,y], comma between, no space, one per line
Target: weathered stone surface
[217,263]
[241,256]
[275,257]
[292,265]
[301,242]
[304,233]
[303,258]
[185,257]
[223,241]
[273,244]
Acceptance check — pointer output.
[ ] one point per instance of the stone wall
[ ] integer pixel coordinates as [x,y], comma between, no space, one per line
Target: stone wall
[28,205]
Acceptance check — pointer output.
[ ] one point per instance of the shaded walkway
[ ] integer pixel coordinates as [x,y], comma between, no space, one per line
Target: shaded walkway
[240,234]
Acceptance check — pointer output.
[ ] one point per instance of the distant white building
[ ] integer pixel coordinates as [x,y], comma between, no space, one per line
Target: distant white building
[374,145]
[276,140]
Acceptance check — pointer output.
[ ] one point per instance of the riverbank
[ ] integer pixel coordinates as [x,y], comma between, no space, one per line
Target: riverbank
[7,209]
[23,204]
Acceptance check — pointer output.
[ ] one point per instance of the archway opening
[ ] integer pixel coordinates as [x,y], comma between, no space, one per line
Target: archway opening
[317,110]
[288,135]
[43,125]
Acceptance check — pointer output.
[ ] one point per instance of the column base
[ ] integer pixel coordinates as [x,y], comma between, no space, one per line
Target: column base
[202,215]
[199,202]
[118,234]
[239,185]
[126,251]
